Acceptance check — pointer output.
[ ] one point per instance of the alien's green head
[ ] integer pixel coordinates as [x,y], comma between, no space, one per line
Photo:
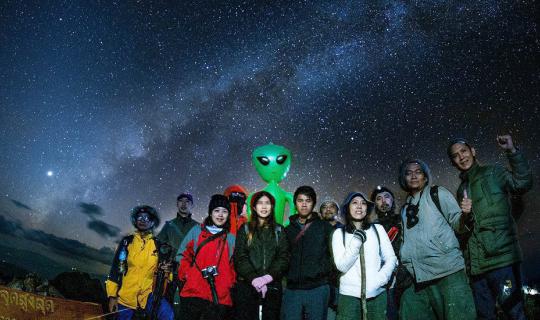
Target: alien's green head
[272,162]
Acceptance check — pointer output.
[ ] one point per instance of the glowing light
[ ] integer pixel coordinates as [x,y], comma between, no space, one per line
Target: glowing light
[50,173]
[529,291]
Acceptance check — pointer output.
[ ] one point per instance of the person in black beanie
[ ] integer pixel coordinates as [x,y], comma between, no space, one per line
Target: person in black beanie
[206,268]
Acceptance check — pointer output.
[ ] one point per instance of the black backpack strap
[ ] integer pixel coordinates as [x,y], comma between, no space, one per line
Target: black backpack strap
[115,274]
[434,193]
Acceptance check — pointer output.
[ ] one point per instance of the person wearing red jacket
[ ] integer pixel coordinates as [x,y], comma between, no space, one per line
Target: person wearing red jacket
[206,267]
[237,198]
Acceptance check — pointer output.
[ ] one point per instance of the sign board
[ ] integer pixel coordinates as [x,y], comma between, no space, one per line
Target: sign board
[19,305]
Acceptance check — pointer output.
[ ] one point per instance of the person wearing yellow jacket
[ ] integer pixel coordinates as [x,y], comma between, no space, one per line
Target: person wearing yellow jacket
[131,279]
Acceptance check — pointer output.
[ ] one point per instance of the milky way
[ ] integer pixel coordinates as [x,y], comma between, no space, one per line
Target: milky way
[131,103]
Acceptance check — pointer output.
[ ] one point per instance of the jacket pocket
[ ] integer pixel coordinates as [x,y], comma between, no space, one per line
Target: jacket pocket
[440,243]
[496,239]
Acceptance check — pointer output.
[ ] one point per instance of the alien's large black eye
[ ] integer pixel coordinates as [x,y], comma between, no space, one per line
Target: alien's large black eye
[264,160]
[281,159]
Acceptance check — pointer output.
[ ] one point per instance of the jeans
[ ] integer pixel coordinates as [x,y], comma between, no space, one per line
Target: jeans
[165,311]
[502,285]
[311,302]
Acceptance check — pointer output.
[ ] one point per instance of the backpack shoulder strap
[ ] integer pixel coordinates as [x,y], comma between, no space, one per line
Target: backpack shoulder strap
[230,241]
[127,240]
[434,193]
[378,239]
[277,232]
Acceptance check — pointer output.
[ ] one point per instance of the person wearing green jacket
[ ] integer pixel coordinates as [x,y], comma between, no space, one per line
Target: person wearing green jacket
[491,250]
[261,259]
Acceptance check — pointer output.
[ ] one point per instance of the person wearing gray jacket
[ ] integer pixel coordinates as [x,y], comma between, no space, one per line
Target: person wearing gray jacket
[430,250]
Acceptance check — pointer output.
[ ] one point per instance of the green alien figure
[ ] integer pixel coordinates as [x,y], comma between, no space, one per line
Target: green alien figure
[272,162]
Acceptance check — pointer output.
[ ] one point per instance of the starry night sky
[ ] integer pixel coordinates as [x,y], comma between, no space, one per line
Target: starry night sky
[109,104]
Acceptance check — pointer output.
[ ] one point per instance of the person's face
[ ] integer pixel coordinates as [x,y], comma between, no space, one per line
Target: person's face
[384,201]
[328,211]
[304,205]
[358,208]
[263,207]
[144,222]
[462,156]
[415,177]
[184,205]
[219,216]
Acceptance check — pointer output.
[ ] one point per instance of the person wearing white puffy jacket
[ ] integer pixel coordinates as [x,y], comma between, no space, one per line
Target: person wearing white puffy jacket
[364,256]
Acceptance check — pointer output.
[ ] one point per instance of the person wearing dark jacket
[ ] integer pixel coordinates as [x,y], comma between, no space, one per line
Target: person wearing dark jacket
[385,214]
[173,232]
[206,268]
[260,258]
[310,264]
[492,252]
[130,281]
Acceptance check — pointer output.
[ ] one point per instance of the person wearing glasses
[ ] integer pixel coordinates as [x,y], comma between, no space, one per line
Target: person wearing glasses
[430,251]
[130,281]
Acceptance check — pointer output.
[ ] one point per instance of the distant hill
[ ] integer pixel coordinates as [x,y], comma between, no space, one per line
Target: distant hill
[47,254]
[52,242]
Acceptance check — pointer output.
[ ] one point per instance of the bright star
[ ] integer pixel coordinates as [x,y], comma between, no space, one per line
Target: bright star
[49,173]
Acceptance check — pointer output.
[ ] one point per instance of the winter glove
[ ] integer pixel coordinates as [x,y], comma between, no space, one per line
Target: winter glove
[257,283]
[360,235]
[264,289]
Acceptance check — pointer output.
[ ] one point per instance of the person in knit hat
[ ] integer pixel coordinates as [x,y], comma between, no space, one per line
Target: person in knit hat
[329,212]
[237,197]
[385,214]
[430,250]
[206,268]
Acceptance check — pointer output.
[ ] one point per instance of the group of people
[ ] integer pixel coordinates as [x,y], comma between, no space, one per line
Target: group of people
[437,258]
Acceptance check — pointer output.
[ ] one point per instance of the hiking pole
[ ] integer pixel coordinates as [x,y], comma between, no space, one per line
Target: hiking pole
[106,314]
[162,275]
[363,279]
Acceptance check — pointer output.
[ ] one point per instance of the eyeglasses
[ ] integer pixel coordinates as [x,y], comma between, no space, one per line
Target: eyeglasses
[143,218]
[412,215]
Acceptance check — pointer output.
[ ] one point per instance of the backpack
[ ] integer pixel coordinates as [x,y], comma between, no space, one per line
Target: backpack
[462,237]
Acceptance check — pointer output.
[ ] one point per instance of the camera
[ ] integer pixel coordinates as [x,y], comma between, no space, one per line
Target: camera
[210,271]
[412,215]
